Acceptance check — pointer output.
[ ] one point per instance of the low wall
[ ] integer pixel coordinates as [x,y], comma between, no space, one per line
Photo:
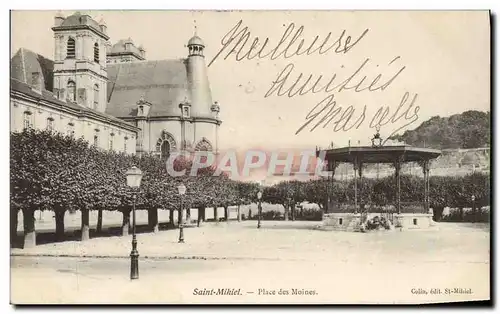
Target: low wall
[352,222]
[342,221]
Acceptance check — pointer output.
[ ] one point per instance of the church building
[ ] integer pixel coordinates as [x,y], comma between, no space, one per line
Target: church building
[111,95]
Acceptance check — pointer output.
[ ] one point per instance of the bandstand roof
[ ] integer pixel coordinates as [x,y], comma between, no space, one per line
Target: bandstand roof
[382,154]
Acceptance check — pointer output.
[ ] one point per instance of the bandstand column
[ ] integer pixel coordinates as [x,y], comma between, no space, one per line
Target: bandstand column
[425,170]
[428,185]
[332,165]
[360,173]
[397,167]
[356,167]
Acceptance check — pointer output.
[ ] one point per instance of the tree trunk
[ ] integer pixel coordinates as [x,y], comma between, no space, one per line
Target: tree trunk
[293,211]
[13,225]
[29,228]
[99,220]
[239,213]
[250,214]
[85,225]
[171,217]
[438,213]
[126,223]
[286,212]
[200,216]
[188,215]
[153,219]
[226,213]
[216,214]
[60,223]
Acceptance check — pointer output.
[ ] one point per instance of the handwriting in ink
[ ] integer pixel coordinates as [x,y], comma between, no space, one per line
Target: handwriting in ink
[327,112]
[237,39]
[285,85]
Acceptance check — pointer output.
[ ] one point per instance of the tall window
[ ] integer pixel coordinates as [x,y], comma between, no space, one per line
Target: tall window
[125,144]
[96,138]
[165,150]
[70,49]
[50,124]
[71,91]
[96,96]
[111,140]
[27,120]
[71,130]
[96,52]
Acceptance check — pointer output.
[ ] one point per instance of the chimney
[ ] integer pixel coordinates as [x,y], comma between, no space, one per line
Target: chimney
[142,51]
[58,19]
[128,44]
[103,26]
[36,81]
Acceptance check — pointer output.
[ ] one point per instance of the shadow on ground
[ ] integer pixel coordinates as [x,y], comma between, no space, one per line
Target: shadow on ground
[73,234]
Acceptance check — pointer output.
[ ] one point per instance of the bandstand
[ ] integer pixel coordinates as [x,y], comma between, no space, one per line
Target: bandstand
[354,216]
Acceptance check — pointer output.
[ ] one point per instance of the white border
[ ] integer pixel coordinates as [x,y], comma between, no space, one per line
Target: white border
[493,5]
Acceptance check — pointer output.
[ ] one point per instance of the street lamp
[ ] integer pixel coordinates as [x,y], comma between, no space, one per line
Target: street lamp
[134,176]
[182,191]
[259,196]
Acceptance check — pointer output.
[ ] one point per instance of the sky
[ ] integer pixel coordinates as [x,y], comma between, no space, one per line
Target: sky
[440,59]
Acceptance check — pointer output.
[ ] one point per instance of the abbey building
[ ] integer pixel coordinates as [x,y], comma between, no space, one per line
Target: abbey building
[111,95]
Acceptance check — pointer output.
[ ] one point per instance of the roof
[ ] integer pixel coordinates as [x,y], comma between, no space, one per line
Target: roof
[195,40]
[120,48]
[383,154]
[25,62]
[163,83]
[79,20]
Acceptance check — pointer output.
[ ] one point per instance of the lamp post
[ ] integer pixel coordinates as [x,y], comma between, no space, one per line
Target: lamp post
[182,191]
[259,197]
[134,176]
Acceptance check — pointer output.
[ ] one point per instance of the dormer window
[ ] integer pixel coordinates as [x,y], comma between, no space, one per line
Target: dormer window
[141,110]
[185,112]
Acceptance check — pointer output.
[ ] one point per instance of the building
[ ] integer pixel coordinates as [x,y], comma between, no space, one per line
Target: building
[111,95]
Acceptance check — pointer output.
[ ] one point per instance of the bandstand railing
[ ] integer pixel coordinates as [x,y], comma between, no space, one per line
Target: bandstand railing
[406,208]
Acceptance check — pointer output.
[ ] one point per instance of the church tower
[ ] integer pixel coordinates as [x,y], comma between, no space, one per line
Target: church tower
[80,60]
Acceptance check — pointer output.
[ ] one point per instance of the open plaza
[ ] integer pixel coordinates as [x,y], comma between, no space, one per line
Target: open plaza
[449,262]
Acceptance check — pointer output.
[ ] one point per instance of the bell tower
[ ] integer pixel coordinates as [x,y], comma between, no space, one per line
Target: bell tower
[80,60]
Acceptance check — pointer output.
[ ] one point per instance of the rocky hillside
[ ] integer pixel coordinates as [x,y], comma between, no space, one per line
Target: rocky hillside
[470,129]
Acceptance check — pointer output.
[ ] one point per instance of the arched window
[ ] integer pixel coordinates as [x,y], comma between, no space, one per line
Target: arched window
[165,144]
[203,146]
[71,91]
[125,144]
[70,49]
[96,96]
[96,52]
[27,120]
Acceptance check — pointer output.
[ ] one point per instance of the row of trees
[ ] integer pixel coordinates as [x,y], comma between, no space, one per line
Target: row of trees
[58,173]
[468,191]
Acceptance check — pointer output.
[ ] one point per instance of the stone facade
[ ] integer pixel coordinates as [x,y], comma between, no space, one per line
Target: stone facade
[111,96]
